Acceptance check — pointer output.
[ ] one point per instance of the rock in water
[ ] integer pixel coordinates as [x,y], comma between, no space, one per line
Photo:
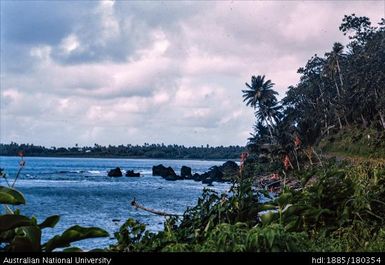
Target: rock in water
[229,169]
[131,173]
[115,172]
[163,171]
[214,174]
[197,177]
[185,172]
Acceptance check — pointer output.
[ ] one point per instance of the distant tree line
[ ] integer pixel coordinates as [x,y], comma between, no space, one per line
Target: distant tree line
[126,151]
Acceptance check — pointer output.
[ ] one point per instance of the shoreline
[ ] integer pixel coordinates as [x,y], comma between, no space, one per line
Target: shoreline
[123,157]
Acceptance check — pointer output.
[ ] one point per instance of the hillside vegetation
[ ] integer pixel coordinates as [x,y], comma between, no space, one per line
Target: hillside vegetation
[339,203]
[353,142]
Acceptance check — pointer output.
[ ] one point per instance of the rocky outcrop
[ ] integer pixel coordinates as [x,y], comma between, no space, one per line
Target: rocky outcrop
[131,173]
[229,169]
[185,172]
[115,172]
[221,173]
[163,171]
[172,178]
[214,174]
[197,177]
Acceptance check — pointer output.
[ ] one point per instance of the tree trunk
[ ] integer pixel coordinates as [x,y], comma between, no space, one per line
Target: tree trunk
[326,123]
[296,159]
[364,122]
[308,153]
[269,126]
[338,90]
[326,127]
[271,135]
[340,75]
[339,120]
[382,118]
[319,159]
[346,121]
[138,206]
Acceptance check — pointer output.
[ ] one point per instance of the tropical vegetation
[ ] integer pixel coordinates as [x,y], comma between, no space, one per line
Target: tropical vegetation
[327,134]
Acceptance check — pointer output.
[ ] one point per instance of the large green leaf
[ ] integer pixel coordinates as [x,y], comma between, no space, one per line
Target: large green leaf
[72,234]
[27,239]
[11,221]
[50,222]
[72,249]
[284,199]
[268,217]
[11,196]
[267,207]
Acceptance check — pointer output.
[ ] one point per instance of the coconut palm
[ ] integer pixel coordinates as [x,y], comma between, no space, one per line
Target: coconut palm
[260,92]
[334,58]
[261,97]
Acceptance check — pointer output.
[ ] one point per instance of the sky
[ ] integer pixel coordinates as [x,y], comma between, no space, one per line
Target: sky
[127,72]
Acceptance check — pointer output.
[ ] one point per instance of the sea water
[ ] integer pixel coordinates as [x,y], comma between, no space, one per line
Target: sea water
[79,190]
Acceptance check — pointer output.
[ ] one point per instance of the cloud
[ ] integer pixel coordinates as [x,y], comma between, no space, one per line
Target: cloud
[133,72]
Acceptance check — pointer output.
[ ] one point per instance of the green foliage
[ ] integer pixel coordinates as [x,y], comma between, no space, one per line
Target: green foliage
[11,221]
[50,221]
[355,142]
[72,234]
[342,210]
[130,233]
[341,205]
[11,196]
[338,94]
[133,151]
[21,233]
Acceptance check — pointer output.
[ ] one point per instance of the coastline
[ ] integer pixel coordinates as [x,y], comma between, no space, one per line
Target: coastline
[122,157]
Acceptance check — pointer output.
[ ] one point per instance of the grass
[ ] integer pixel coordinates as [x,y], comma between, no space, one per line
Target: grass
[355,144]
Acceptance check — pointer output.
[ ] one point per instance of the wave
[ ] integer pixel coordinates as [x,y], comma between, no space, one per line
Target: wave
[94,172]
[145,172]
[68,171]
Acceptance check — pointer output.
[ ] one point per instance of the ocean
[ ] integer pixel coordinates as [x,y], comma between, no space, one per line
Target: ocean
[79,190]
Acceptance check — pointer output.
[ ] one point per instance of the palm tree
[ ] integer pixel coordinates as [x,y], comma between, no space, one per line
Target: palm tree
[261,97]
[259,92]
[332,67]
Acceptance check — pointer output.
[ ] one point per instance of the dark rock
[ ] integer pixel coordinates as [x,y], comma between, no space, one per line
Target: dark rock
[208,181]
[163,171]
[115,172]
[131,173]
[185,172]
[197,177]
[229,169]
[215,173]
[172,178]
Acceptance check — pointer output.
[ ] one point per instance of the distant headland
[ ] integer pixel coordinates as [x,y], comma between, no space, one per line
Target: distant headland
[149,151]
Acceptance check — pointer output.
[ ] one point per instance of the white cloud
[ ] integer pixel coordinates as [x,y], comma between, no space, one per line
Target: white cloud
[70,44]
[133,72]
[42,53]
[109,25]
